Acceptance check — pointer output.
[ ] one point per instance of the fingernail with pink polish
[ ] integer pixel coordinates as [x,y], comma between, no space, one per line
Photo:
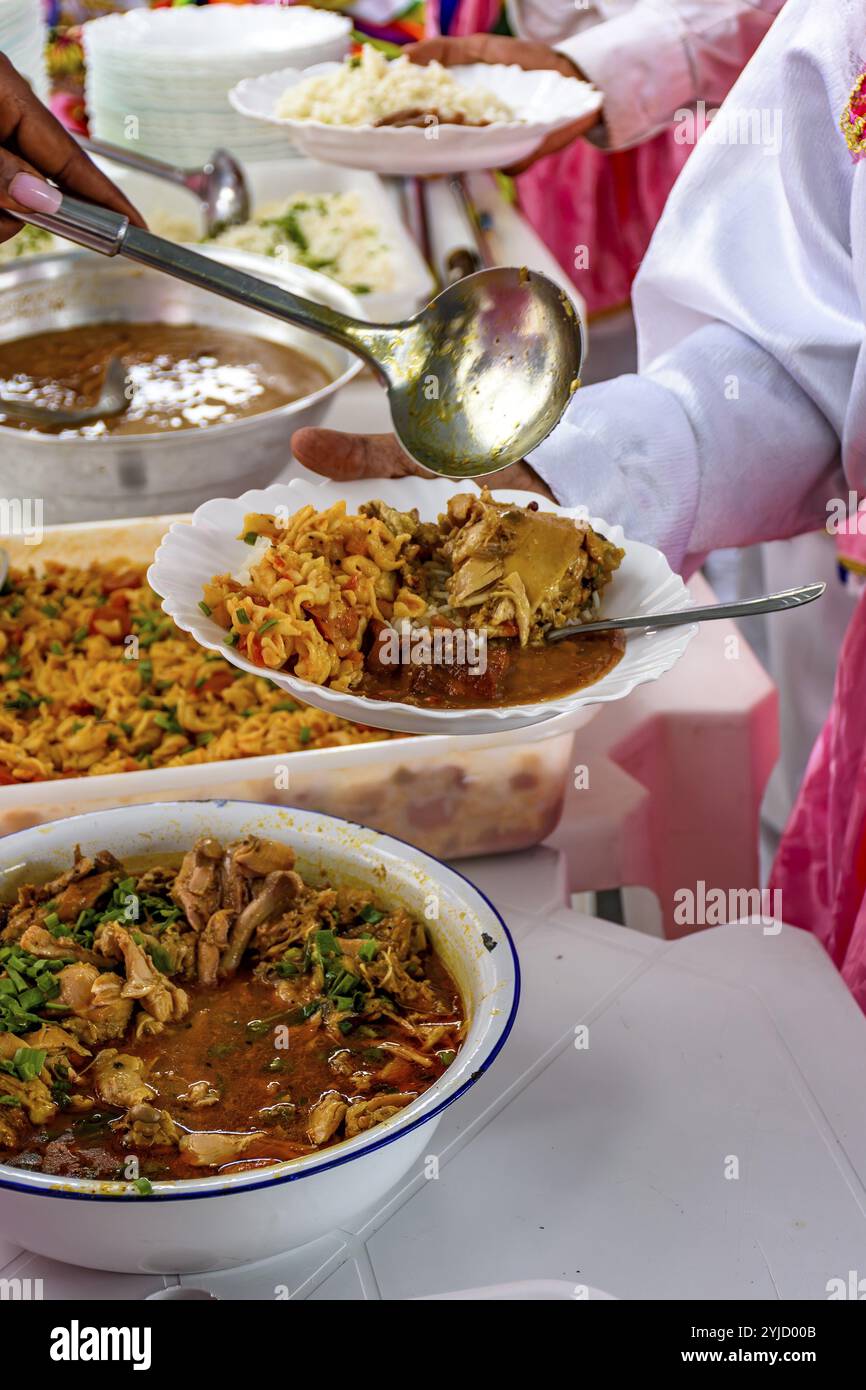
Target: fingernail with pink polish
[35,194]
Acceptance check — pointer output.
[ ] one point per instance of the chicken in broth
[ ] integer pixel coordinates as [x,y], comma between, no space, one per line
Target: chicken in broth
[210,1016]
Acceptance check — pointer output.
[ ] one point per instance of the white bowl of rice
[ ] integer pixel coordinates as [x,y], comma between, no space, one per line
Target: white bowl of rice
[399,117]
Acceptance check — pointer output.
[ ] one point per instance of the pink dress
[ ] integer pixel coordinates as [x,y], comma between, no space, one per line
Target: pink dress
[820,868]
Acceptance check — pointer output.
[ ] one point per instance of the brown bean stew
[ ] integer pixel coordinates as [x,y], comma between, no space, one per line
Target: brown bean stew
[214,1016]
[181,376]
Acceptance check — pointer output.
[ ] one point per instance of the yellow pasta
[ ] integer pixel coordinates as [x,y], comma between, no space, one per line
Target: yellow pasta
[95,678]
[321,587]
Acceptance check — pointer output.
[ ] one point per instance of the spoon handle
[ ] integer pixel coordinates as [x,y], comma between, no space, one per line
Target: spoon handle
[112,234]
[743,608]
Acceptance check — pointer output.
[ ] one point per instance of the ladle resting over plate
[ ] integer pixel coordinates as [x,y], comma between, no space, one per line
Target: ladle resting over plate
[475,381]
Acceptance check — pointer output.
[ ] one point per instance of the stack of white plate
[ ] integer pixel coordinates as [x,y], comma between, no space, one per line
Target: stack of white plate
[158,80]
[22,39]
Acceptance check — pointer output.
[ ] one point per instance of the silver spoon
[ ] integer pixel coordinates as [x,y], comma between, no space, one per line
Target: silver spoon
[743,608]
[219,185]
[114,397]
[475,381]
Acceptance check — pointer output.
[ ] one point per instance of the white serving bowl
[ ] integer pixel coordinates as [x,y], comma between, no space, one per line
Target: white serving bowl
[216,1222]
[190,556]
[542,102]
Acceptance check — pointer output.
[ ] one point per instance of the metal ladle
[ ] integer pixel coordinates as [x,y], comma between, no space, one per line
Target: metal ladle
[114,397]
[219,185]
[475,381]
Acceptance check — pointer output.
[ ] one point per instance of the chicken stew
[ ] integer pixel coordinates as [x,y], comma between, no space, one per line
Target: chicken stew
[209,1016]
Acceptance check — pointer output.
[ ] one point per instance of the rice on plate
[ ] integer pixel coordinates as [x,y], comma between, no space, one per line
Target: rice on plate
[370,90]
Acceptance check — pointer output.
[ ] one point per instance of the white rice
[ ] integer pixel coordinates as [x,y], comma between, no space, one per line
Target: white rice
[365,91]
[329,232]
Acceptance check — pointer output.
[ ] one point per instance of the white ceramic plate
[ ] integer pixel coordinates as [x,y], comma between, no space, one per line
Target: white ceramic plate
[190,555]
[198,40]
[542,102]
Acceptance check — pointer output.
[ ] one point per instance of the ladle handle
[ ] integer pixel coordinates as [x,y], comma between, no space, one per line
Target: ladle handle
[112,234]
[145,164]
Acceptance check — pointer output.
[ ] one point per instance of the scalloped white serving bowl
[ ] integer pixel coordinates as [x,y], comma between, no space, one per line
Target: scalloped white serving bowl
[191,554]
[542,102]
[195,1224]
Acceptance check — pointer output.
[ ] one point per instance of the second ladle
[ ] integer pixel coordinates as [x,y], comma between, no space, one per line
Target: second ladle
[219,184]
[475,381]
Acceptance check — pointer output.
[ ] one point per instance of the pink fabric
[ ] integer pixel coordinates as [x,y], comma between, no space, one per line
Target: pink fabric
[607,203]
[470,17]
[851,540]
[475,17]
[821,865]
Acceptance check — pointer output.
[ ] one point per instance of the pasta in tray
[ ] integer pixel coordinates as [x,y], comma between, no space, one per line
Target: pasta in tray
[332,597]
[94,678]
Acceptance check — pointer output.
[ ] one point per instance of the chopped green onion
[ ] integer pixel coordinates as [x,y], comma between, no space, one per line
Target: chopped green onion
[371,915]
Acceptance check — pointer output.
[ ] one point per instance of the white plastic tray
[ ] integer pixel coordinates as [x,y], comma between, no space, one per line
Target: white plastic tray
[449,794]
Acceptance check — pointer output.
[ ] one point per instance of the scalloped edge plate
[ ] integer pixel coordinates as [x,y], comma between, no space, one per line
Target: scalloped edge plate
[191,553]
[544,101]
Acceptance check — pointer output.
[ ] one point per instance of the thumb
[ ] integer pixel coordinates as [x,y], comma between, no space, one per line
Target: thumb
[345,456]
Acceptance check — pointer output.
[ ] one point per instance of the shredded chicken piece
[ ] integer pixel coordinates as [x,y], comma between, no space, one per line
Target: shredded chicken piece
[196,889]
[158,995]
[200,1093]
[279,889]
[211,943]
[40,942]
[205,1149]
[83,893]
[326,1117]
[146,1127]
[410,1054]
[364,1114]
[118,1078]
[262,857]
[96,1000]
[33,1095]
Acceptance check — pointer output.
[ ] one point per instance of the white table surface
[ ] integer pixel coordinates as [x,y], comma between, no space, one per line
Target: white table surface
[606,1166]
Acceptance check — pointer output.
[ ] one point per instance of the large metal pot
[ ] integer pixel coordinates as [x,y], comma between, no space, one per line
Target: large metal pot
[135,475]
